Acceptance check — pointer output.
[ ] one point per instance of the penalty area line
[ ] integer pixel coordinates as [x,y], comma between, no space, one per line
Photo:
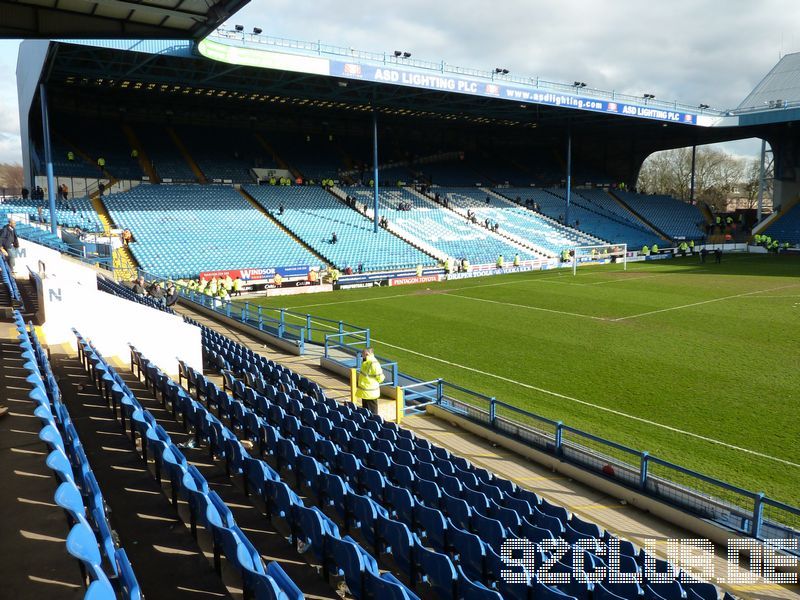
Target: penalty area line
[592,405]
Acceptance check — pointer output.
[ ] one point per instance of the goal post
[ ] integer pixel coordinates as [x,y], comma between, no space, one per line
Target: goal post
[601,254]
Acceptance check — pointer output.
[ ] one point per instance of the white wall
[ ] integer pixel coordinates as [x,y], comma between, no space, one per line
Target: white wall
[71,299]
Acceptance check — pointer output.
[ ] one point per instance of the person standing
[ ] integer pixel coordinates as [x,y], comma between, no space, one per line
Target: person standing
[369,380]
[9,242]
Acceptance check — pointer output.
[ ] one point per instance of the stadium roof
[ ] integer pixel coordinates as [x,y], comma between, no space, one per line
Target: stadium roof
[150,19]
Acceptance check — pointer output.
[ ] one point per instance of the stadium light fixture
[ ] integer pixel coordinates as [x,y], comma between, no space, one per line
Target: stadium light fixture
[397,54]
[257,30]
[704,106]
[579,84]
[649,96]
[239,27]
[406,54]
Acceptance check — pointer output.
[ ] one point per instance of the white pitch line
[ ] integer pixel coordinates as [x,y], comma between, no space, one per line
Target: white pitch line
[663,310]
[539,308]
[590,404]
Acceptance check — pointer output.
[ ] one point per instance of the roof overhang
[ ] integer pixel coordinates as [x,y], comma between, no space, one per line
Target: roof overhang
[137,19]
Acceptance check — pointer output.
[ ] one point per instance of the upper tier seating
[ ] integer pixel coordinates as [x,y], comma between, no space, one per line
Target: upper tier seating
[439,227]
[672,216]
[97,139]
[516,220]
[787,227]
[599,224]
[181,230]
[225,154]
[313,215]
[164,154]
[314,155]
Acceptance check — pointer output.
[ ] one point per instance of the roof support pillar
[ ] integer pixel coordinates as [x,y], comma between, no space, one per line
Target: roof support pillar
[48,160]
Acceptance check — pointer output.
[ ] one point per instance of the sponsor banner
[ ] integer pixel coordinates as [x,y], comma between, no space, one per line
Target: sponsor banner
[485,272]
[498,89]
[371,277]
[352,286]
[664,256]
[413,280]
[258,274]
[253,56]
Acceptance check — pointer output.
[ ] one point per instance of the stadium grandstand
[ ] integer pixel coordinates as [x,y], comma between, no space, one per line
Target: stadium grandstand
[199,440]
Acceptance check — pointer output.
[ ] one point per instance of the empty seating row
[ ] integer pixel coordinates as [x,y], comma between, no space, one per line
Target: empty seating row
[677,219]
[41,236]
[77,212]
[586,217]
[314,215]
[104,565]
[263,582]
[117,289]
[439,227]
[10,283]
[551,238]
[787,227]
[410,479]
[182,230]
[311,529]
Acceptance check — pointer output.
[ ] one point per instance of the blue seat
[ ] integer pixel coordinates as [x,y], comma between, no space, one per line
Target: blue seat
[474,590]
[553,510]
[334,491]
[468,551]
[379,460]
[519,506]
[364,513]
[327,452]
[697,590]
[428,492]
[458,510]
[489,530]
[401,475]
[69,498]
[82,544]
[552,524]
[348,560]
[126,579]
[426,470]
[387,587]
[450,484]
[534,533]
[281,499]
[432,525]
[372,483]
[477,500]
[544,592]
[669,591]
[436,573]
[400,503]
[308,473]
[508,517]
[349,466]
[397,542]
[313,527]
[288,589]
[287,453]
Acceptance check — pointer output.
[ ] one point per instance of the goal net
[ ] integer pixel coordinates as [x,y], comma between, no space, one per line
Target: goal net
[602,254]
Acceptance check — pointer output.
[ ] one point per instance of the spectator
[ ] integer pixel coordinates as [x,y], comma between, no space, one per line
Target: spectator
[277,280]
[334,238]
[172,295]
[138,286]
[237,287]
[9,242]
[280,209]
[370,377]
[127,237]
[157,294]
[348,270]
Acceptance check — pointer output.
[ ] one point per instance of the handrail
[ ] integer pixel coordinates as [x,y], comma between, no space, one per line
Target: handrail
[748,520]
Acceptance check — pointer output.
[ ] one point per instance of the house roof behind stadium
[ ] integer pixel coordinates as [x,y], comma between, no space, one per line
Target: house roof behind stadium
[144,19]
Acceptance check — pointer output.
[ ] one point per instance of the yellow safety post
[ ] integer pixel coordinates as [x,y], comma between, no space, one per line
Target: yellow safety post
[353,384]
[400,405]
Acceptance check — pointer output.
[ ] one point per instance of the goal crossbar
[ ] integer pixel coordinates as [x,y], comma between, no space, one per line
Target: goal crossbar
[599,253]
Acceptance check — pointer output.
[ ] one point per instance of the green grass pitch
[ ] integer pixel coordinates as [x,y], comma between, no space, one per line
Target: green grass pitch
[699,363]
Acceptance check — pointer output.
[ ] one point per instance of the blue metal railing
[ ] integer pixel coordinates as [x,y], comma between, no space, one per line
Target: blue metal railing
[730,506]
[345,349]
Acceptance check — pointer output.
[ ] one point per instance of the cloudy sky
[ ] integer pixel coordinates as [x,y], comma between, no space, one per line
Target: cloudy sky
[692,51]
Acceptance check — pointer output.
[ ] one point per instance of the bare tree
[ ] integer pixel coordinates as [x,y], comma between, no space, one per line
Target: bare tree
[716,175]
[11,178]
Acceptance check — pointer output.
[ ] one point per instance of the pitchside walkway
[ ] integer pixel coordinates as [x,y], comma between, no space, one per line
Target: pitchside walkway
[608,512]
